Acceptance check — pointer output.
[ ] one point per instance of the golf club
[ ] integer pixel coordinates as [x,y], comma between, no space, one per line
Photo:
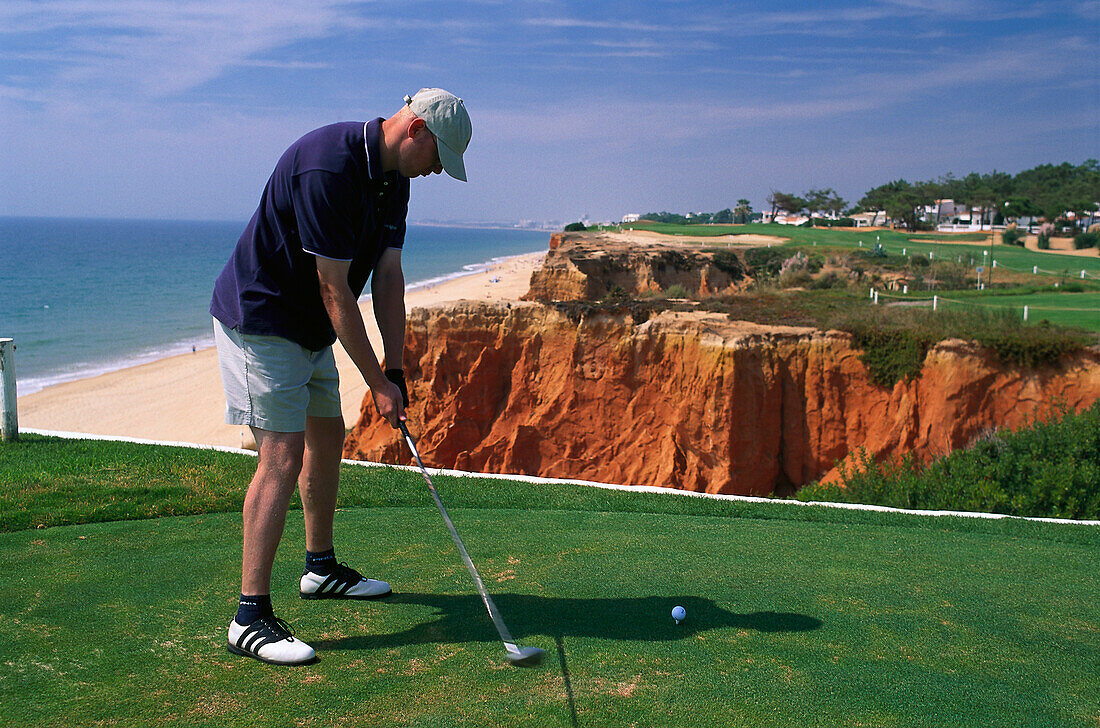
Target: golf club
[520,656]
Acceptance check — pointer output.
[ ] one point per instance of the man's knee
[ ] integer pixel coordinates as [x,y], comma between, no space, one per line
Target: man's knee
[281,454]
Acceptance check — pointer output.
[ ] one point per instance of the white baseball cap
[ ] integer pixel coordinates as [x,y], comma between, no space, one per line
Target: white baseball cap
[447,120]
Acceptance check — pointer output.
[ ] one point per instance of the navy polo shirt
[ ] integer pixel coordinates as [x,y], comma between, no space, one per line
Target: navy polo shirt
[328,197]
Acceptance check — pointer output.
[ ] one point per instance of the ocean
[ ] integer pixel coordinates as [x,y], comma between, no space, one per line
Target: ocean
[83,297]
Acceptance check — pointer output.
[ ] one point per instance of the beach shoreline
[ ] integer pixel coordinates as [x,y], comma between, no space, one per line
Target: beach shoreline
[179,397]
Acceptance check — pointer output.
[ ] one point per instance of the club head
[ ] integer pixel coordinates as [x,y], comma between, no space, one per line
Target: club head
[525,656]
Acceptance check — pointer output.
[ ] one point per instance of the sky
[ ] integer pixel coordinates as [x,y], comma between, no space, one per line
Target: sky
[179,109]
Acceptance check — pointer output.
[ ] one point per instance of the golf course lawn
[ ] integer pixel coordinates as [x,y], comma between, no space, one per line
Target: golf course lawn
[849,619]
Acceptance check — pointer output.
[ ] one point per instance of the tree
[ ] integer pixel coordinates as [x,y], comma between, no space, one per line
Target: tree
[774,202]
[787,203]
[901,201]
[743,211]
[723,216]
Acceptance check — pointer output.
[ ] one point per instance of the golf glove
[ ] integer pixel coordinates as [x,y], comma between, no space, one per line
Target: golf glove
[397,376]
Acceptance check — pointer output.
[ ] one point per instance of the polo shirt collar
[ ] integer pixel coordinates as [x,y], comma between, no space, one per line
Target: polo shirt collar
[372,133]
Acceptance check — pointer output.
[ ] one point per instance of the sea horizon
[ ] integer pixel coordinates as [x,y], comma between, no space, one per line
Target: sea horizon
[87,296]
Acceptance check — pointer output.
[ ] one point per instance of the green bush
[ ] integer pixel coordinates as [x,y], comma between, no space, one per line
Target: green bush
[895,341]
[919,260]
[1086,240]
[765,262]
[1047,469]
[830,279]
[676,291]
[575,227]
[1043,241]
[1014,236]
[728,262]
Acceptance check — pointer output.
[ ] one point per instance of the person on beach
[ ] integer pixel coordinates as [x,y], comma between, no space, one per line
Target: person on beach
[331,217]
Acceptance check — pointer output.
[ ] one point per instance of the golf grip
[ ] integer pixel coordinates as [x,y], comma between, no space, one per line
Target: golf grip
[489,605]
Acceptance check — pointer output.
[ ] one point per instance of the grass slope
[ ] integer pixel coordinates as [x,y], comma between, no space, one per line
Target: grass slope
[943,247]
[797,616]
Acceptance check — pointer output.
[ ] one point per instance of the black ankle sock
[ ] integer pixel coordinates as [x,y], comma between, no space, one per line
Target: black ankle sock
[321,562]
[253,607]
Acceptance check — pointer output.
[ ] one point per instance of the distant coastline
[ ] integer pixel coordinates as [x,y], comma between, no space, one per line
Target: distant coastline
[148,282]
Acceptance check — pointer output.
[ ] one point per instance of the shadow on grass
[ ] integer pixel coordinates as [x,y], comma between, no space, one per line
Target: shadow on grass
[462,618]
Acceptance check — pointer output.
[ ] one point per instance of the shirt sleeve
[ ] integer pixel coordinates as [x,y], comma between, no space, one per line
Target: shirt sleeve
[325,208]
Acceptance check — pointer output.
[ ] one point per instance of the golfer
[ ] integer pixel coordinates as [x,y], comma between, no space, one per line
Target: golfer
[331,217]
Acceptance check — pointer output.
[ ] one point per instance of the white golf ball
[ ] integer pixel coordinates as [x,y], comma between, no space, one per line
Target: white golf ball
[679,614]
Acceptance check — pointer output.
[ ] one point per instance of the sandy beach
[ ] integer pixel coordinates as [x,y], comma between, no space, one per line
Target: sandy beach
[179,398]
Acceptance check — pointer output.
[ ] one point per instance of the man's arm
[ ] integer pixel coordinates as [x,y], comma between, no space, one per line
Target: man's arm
[343,311]
[388,296]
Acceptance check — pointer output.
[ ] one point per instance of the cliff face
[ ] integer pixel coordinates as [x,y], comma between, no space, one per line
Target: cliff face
[586,267]
[687,400]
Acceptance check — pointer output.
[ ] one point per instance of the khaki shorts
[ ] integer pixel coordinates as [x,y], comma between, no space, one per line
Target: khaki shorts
[272,383]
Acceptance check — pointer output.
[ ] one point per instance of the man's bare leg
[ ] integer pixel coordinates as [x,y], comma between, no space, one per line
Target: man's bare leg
[320,478]
[324,577]
[265,504]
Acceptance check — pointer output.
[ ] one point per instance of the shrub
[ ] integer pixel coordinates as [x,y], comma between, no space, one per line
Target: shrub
[575,227]
[617,295]
[1086,240]
[795,271]
[1049,468]
[1043,241]
[728,263]
[895,341]
[877,252]
[1014,236]
[676,291]
[830,279]
[918,260]
[765,262]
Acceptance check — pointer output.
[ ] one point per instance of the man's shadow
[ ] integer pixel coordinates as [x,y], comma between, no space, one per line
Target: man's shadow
[462,618]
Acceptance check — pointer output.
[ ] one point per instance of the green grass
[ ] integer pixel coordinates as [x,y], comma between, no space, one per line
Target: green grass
[1078,310]
[1050,468]
[797,616]
[895,241]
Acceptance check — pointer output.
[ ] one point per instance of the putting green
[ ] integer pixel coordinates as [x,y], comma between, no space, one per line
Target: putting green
[789,623]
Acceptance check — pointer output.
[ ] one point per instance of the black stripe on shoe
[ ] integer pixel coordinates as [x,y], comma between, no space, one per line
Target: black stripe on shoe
[264,631]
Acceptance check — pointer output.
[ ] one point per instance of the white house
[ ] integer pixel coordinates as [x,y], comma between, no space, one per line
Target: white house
[869,219]
[632,217]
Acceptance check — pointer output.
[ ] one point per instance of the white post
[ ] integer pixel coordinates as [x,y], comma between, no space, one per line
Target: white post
[905,289]
[1025,313]
[1082,274]
[876,298]
[872,293]
[9,420]
[935,302]
[1035,271]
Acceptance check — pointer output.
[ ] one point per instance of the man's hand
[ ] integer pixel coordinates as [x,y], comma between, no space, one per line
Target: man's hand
[397,376]
[387,399]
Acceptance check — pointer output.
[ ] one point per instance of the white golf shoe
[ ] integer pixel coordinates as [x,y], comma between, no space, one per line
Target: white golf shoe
[342,583]
[270,640]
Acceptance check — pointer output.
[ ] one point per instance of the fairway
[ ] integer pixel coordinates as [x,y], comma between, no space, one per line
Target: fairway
[971,249]
[1080,310]
[850,619]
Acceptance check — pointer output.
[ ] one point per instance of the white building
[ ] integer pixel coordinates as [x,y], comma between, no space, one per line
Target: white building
[632,217]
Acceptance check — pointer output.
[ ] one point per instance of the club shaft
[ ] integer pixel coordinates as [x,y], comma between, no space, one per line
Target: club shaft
[502,628]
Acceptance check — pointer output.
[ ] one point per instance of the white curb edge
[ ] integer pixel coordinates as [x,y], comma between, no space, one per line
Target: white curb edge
[588,483]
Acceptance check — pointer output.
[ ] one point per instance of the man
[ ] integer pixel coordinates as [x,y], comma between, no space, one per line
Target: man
[331,216]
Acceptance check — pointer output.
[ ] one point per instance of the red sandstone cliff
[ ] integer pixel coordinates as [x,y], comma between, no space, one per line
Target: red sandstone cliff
[687,400]
[587,266]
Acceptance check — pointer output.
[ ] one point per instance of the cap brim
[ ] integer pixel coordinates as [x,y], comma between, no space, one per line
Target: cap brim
[451,161]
